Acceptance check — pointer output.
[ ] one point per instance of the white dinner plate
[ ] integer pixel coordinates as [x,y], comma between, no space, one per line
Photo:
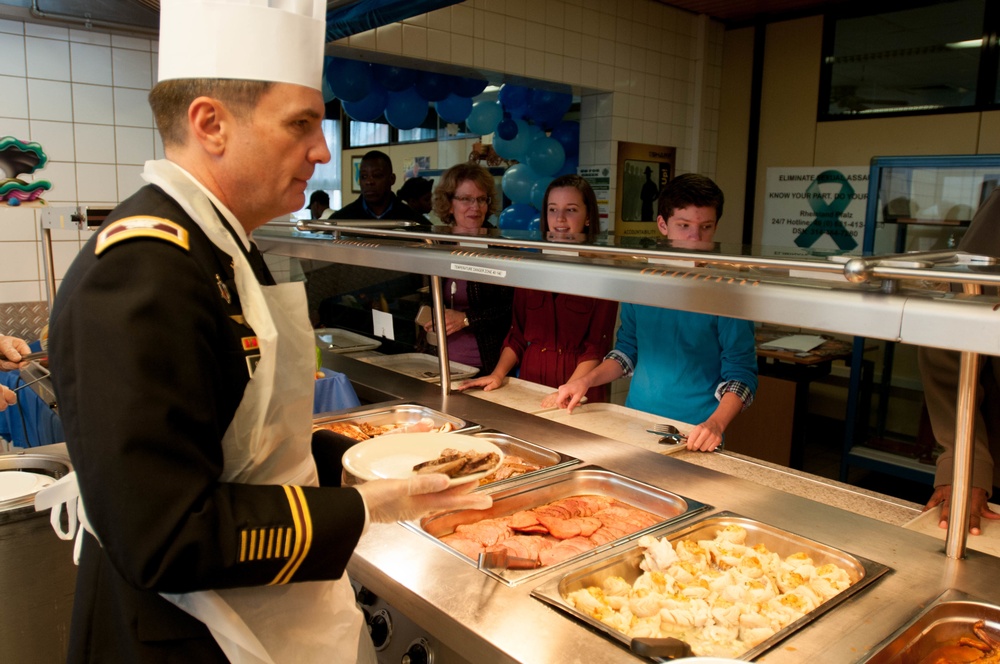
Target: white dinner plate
[393,456]
[17,484]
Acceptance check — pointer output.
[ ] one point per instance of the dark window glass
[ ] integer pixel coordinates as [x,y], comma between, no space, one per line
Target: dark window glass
[922,59]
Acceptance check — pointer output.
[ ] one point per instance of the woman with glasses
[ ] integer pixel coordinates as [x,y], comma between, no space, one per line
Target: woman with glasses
[556,337]
[477,315]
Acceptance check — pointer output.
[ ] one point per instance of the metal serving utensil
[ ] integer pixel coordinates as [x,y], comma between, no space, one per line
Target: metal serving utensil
[669,647]
[668,433]
[502,560]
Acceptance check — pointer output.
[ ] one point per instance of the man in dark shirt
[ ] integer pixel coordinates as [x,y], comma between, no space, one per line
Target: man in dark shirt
[377,200]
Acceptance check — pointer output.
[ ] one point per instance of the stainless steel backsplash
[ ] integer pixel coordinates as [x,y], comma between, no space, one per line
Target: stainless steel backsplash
[23,319]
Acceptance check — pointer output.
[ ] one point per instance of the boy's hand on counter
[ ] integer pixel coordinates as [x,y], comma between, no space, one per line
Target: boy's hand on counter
[980,508]
[569,395]
[705,437]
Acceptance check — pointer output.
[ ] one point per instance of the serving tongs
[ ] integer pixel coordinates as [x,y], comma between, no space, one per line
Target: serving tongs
[502,560]
[668,648]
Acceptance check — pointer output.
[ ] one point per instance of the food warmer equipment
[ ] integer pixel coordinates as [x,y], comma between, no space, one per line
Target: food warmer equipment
[481,619]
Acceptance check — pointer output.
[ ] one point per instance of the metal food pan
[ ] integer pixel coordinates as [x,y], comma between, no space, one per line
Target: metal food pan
[401,414]
[588,480]
[862,572]
[948,618]
[549,460]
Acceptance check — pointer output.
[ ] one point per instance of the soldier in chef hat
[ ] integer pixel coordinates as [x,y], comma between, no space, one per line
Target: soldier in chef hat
[190,431]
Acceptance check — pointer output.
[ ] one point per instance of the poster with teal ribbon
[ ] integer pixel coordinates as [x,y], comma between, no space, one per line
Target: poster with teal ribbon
[815,209]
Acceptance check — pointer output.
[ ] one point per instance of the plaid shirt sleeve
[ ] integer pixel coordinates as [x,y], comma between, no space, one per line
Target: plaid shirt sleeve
[623,360]
[742,390]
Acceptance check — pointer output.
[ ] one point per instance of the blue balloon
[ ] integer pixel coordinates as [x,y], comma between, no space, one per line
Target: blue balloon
[454,108]
[538,192]
[484,116]
[515,148]
[371,107]
[517,217]
[433,87]
[536,224]
[567,133]
[517,182]
[328,95]
[547,107]
[514,96]
[534,133]
[350,80]
[569,166]
[468,87]
[507,129]
[406,109]
[546,156]
[394,79]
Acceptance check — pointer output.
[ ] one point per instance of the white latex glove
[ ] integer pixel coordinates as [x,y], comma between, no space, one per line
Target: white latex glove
[402,500]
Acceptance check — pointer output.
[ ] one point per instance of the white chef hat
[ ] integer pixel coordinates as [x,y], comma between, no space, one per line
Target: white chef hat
[259,40]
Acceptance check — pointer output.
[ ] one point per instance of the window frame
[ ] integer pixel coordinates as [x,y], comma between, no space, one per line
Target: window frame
[987,85]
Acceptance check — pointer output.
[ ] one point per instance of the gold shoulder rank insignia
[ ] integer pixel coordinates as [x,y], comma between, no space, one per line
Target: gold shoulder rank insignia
[151,227]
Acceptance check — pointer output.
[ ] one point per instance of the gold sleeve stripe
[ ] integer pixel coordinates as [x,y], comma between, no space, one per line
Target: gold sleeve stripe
[253,544]
[243,546]
[288,543]
[307,530]
[270,543]
[260,546]
[302,536]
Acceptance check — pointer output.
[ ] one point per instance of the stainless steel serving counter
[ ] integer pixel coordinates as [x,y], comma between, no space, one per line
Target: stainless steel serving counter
[486,621]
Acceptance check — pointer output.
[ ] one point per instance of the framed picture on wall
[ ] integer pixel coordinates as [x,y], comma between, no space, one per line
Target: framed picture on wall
[642,172]
[356,174]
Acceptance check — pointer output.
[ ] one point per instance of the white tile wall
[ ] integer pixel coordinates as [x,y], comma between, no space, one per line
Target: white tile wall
[81,95]
[12,46]
[91,63]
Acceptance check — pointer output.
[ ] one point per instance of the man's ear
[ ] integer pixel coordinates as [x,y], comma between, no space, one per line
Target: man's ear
[208,124]
[392,179]
[661,223]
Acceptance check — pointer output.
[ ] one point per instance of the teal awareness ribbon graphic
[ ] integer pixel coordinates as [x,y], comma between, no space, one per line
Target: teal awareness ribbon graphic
[827,219]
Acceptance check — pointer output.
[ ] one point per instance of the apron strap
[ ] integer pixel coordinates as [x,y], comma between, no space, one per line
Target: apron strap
[63,497]
[230,631]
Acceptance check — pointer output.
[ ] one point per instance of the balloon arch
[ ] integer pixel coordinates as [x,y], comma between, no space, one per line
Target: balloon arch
[527,123]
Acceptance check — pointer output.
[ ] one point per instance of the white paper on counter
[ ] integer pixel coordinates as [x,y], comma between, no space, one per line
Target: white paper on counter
[800,343]
[382,324]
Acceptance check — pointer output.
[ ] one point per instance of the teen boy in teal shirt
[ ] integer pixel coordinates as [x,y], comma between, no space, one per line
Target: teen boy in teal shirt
[684,366]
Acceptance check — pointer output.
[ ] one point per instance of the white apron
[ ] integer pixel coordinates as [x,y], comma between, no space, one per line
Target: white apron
[268,442]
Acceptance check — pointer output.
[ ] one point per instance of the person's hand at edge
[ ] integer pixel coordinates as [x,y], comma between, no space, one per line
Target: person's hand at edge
[488,383]
[8,397]
[705,437]
[569,395]
[12,350]
[453,322]
[980,508]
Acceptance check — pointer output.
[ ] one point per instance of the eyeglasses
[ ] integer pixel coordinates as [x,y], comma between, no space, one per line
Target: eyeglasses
[469,200]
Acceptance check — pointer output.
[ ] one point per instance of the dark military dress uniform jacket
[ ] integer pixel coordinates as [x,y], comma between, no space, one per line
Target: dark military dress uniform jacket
[150,358]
